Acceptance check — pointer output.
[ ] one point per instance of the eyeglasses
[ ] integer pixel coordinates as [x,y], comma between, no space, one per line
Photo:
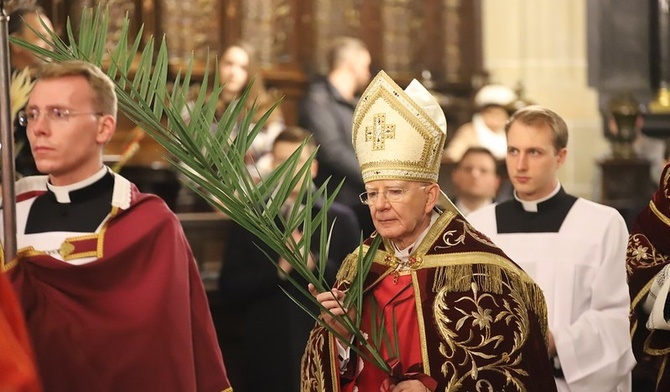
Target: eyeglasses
[27,117]
[390,194]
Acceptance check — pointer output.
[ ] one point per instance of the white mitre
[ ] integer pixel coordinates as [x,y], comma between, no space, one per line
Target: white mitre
[398,134]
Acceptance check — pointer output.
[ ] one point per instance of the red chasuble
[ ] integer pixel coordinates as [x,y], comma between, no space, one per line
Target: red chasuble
[394,298]
[648,253]
[17,370]
[134,319]
[466,319]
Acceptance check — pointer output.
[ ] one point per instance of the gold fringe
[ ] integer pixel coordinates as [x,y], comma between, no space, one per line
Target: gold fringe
[349,267]
[492,278]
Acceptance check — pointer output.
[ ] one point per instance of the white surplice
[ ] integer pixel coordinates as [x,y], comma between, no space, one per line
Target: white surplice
[581,269]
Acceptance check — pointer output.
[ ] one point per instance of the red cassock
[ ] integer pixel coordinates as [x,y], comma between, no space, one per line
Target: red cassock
[464,316]
[134,319]
[17,368]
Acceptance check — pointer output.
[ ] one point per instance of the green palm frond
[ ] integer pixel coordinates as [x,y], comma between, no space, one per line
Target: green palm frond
[212,157]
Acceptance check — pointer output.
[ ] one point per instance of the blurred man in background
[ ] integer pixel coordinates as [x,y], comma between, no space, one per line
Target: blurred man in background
[476,180]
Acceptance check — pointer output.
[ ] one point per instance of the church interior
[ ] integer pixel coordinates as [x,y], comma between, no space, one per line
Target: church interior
[603,66]
[574,57]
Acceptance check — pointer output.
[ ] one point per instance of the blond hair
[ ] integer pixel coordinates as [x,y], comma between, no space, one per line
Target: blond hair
[104,95]
[534,115]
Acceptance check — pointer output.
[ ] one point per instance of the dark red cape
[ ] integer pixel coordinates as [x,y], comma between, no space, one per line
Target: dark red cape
[136,319]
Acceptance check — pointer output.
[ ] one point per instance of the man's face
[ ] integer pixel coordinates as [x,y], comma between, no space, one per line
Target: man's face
[532,160]
[475,176]
[234,69]
[403,220]
[68,149]
[282,151]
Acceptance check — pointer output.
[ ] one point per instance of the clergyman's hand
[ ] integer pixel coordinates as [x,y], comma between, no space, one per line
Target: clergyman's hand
[333,301]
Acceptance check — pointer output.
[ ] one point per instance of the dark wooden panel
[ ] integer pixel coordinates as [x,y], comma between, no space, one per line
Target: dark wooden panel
[438,36]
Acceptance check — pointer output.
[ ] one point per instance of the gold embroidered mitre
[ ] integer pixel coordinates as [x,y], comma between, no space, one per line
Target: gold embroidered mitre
[398,135]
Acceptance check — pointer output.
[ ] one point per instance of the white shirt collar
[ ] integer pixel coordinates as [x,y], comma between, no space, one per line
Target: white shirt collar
[62,193]
[531,206]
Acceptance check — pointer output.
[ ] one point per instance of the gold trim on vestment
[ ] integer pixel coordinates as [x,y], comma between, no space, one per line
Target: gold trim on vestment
[422,325]
[67,247]
[659,214]
[434,232]
[661,371]
[654,351]
[643,293]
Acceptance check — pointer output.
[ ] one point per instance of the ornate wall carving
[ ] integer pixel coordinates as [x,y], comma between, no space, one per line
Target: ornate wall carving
[405,37]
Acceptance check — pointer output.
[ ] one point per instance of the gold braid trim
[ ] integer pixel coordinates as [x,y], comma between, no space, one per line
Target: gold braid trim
[422,325]
[659,214]
[661,371]
[655,351]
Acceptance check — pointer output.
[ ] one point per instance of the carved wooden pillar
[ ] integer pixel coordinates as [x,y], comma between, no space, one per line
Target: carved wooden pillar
[462,40]
[190,28]
[347,13]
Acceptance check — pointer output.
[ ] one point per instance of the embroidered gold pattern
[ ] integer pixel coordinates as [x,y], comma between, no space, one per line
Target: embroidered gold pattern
[452,238]
[641,254]
[489,352]
[312,376]
[379,132]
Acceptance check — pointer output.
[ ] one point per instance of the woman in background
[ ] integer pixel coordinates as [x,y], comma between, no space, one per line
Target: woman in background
[237,68]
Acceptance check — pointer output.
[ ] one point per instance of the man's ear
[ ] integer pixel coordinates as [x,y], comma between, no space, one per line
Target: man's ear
[106,129]
[433,193]
[562,154]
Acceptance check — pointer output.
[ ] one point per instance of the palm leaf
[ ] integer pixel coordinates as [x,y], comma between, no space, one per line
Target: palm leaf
[212,157]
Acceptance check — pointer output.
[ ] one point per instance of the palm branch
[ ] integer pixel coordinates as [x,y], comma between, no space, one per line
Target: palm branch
[213,161]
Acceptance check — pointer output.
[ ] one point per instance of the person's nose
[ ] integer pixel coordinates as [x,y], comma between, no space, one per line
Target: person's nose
[381,202]
[522,162]
[38,125]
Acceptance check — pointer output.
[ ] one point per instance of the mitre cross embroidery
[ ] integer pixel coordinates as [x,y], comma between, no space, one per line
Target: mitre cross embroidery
[379,132]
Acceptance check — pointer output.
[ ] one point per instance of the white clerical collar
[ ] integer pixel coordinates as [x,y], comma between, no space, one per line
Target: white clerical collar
[62,193]
[400,253]
[531,206]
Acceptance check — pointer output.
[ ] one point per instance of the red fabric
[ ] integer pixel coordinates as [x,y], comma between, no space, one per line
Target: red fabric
[136,319]
[397,302]
[17,368]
